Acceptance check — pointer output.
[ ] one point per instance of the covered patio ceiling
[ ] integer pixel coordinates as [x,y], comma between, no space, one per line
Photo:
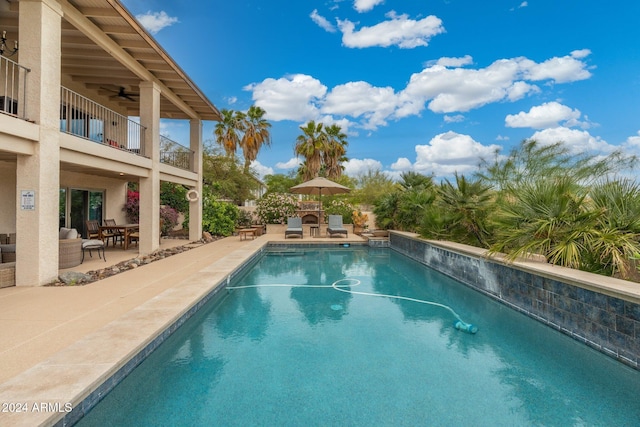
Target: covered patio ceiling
[104,48]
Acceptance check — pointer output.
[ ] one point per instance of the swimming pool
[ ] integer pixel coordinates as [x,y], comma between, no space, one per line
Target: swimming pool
[283,355]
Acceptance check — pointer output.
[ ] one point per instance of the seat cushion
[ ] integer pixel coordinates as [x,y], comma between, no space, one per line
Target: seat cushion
[63,233]
[86,243]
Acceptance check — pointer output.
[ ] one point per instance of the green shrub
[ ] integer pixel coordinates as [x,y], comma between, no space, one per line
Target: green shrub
[274,208]
[174,195]
[244,218]
[219,218]
[339,207]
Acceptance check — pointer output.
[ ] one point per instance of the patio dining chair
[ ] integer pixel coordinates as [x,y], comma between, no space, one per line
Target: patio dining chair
[93,229]
[114,233]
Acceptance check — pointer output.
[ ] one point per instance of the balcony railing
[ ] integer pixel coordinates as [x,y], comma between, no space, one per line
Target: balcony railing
[175,154]
[87,119]
[13,88]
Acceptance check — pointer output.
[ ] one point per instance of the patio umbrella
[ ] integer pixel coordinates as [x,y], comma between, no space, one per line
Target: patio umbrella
[319,186]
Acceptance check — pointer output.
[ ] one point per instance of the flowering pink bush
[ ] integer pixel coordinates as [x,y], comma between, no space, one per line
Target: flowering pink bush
[274,208]
[169,218]
[168,215]
[132,207]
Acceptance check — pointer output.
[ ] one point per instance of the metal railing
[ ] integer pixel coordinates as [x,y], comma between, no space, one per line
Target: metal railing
[175,154]
[87,119]
[13,88]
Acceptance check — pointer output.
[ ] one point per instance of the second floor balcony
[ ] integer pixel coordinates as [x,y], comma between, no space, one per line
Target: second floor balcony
[84,118]
[13,86]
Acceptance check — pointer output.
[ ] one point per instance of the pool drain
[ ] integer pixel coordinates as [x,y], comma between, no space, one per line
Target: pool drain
[336,307]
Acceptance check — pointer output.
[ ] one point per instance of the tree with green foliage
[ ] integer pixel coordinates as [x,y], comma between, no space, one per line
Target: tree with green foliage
[549,217]
[323,148]
[414,180]
[531,161]
[310,145]
[459,212]
[224,178]
[256,134]
[279,183]
[556,204]
[174,195]
[335,153]
[616,240]
[372,185]
[229,129]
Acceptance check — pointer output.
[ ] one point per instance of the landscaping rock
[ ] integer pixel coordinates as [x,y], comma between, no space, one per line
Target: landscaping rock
[71,278]
[75,278]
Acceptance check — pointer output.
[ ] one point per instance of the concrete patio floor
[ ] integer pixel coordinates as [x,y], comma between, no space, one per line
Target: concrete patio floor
[59,343]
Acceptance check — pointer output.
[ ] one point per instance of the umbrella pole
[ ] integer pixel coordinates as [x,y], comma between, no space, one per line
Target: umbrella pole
[319,207]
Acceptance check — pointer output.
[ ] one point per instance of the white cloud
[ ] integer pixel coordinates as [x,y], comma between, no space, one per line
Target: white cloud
[632,145]
[366,5]
[344,123]
[261,169]
[290,164]
[355,167]
[358,99]
[523,4]
[450,90]
[322,22]
[577,141]
[402,164]
[446,154]
[561,70]
[289,98]
[156,21]
[398,30]
[454,119]
[582,53]
[549,114]
[441,89]
[452,62]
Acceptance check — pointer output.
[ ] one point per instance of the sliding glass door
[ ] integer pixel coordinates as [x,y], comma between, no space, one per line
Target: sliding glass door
[80,206]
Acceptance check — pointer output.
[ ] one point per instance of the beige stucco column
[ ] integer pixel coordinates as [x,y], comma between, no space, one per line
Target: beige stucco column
[195,208]
[38,175]
[150,186]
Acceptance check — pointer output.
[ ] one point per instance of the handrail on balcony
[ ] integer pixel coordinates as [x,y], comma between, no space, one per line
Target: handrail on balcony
[87,119]
[13,88]
[175,154]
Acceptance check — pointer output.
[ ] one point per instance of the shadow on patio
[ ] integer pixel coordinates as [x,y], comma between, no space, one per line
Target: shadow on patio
[116,254]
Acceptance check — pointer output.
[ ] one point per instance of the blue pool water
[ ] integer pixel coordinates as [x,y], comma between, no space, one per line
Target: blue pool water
[316,356]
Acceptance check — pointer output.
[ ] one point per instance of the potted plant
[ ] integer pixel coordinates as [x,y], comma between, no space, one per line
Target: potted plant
[359,222]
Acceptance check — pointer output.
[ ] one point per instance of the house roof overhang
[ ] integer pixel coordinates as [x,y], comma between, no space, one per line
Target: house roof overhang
[104,48]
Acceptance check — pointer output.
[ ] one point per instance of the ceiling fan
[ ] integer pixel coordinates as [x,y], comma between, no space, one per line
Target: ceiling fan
[121,93]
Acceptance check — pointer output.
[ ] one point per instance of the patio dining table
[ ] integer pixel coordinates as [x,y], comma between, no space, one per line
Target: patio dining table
[126,230]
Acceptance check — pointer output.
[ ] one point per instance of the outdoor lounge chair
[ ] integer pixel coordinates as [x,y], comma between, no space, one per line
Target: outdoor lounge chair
[294,227]
[335,226]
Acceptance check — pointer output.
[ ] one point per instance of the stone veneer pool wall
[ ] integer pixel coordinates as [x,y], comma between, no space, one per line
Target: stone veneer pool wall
[608,323]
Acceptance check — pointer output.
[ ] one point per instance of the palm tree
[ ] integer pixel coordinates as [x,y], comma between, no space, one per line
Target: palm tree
[335,151]
[550,217]
[311,145]
[256,133]
[227,130]
[467,205]
[616,240]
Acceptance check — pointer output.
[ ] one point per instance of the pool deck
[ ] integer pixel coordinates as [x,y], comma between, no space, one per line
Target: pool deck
[60,343]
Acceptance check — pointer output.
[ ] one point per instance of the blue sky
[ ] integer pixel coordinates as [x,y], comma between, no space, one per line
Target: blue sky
[431,86]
